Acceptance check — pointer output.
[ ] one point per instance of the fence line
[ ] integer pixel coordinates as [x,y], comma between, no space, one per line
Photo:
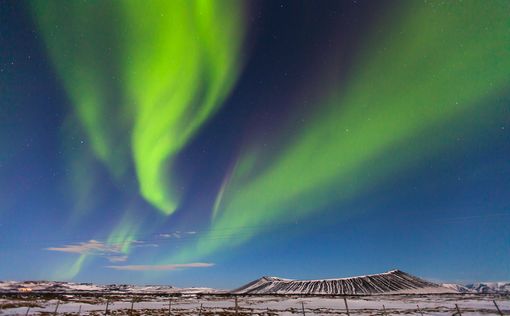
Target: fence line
[458,310]
[419,309]
[497,307]
[56,308]
[236,308]
[346,306]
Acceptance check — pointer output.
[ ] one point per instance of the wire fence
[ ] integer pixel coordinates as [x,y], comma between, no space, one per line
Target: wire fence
[176,307]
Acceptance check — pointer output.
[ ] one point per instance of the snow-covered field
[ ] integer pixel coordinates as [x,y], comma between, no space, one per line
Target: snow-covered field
[390,293]
[469,304]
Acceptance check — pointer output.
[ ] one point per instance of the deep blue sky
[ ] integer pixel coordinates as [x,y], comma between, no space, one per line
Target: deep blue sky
[440,208]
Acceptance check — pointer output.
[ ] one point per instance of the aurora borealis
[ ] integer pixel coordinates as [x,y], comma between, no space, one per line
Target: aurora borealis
[217,141]
[187,58]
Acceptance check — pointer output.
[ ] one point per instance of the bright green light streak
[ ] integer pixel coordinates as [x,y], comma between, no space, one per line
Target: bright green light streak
[79,42]
[182,61]
[124,234]
[436,65]
[122,238]
[144,76]
[70,272]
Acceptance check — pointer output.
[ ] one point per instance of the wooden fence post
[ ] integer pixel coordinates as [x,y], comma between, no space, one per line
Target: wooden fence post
[419,309]
[28,310]
[237,306]
[384,310]
[200,311]
[346,306]
[79,311]
[458,310]
[106,309]
[169,306]
[56,308]
[497,307]
[303,308]
[132,306]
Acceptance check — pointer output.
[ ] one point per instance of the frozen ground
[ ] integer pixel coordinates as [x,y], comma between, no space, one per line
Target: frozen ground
[469,304]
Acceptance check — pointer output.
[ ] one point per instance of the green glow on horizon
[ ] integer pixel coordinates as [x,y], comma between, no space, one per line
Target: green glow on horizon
[124,235]
[439,63]
[70,272]
[143,77]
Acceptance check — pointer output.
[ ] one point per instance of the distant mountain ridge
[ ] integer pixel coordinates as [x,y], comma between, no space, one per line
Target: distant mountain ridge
[481,288]
[391,282]
[394,281]
[70,287]
[489,287]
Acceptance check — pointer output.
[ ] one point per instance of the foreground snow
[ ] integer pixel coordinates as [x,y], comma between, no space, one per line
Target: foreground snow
[390,293]
[469,304]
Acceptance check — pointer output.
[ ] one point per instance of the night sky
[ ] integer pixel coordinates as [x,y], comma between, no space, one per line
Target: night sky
[208,143]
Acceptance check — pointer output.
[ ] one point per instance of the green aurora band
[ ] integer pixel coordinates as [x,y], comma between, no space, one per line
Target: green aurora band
[427,78]
[122,237]
[159,68]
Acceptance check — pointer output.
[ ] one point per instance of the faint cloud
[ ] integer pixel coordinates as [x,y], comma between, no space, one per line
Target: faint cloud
[114,259]
[171,235]
[91,247]
[142,244]
[164,267]
[111,251]
[177,234]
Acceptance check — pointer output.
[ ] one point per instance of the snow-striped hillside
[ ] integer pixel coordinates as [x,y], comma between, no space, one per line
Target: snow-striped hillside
[390,282]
